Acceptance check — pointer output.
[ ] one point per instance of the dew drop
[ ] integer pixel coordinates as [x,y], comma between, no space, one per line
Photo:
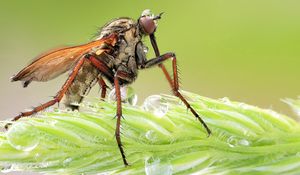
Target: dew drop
[6,168]
[155,105]
[225,100]
[243,106]
[156,167]
[244,142]
[53,122]
[44,165]
[132,98]
[150,135]
[37,156]
[146,49]
[21,137]
[67,161]
[127,95]
[234,141]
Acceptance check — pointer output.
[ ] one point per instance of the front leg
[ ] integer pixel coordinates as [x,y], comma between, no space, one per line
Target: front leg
[174,84]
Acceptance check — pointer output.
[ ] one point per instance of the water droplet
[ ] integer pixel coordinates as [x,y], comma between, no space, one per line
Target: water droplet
[53,122]
[6,168]
[247,133]
[155,105]
[37,156]
[243,106]
[21,137]
[127,95]
[156,167]
[146,49]
[44,165]
[67,161]
[131,96]
[234,141]
[244,142]
[226,100]
[150,135]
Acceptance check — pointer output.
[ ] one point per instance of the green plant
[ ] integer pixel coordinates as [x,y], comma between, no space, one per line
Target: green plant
[245,140]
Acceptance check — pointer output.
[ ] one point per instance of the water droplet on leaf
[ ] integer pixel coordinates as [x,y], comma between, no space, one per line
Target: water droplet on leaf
[235,141]
[244,142]
[155,105]
[21,138]
[150,135]
[67,161]
[53,122]
[127,95]
[232,141]
[6,168]
[156,167]
[146,49]
[225,100]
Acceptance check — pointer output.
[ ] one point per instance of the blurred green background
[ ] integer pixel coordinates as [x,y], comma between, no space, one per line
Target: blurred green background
[247,50]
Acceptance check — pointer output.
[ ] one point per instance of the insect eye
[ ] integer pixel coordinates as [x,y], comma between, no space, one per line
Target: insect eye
[148,24]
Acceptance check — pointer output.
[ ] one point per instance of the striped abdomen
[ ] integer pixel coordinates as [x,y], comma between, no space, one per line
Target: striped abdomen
[83,82]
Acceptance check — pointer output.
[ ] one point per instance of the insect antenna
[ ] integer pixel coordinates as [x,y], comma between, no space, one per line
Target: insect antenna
[158,16]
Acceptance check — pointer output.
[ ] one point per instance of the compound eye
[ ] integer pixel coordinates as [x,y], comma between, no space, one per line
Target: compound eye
[147,24]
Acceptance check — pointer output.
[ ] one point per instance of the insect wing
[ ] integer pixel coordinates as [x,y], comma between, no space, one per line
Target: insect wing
[57,62]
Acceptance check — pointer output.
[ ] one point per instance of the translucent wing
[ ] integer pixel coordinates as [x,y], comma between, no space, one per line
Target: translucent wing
[57,62]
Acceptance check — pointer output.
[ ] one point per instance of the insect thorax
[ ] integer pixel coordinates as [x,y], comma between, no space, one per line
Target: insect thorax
[124,56]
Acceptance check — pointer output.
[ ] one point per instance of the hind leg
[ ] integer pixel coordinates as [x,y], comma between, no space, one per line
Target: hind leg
[58,96]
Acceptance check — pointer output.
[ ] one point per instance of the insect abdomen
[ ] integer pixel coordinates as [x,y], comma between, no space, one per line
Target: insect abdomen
[81,85]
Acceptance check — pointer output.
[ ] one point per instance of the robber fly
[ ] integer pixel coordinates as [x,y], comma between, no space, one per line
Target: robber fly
[115,55]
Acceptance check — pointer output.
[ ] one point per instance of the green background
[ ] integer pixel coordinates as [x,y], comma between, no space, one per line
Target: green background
[247,50]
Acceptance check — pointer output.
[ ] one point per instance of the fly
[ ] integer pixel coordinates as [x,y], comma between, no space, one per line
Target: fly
[115,56]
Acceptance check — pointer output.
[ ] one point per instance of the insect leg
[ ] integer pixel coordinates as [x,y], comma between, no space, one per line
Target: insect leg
[115,79]
[179,95]
[105,70]
[157,53]
[174,84]
[119,116]
[57,98]
[103,87]
[101,66]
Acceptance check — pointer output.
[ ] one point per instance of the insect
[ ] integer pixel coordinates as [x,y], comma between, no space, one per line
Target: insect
[115,55]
